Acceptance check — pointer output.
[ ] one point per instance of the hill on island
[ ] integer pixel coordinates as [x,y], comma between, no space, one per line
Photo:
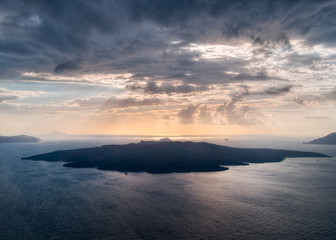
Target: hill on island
[330,139]
[167,157]
[18,139]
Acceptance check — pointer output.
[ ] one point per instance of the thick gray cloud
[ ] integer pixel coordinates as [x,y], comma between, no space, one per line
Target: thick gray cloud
[187,115]
[272,90]
[204,115]
[261,75]
[277,90]
[154,88]
[67,66]
[332,94]
[136,35]
[324,96]
[300,101]
[112,102]
[234,112]
[231,112]
[6,98]
[262,47]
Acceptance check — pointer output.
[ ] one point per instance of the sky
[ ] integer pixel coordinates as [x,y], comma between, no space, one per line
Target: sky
[159,67]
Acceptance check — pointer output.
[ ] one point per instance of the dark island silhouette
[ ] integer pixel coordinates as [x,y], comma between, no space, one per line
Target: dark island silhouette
[18,139]
[167,157]
[330,139]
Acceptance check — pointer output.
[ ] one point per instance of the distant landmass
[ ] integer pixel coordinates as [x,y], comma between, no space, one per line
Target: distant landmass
[167,157]
[19,138]
[330,139]
[165,140]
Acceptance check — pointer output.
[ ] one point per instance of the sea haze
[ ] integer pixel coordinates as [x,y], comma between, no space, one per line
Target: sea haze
[293,199]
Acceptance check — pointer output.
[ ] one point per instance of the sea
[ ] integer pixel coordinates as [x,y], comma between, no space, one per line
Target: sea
[292,199]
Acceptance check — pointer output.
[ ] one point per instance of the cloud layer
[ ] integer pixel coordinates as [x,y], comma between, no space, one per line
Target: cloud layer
[148,37]
[192,62]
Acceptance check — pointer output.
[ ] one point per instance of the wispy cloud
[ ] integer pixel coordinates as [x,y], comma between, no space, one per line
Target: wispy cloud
[10,95]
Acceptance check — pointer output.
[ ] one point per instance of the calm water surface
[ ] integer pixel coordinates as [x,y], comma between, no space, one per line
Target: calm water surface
[294,199]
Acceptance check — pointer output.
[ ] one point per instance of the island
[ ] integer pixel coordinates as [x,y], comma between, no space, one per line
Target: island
[167,157]
[18,139]
[330,139]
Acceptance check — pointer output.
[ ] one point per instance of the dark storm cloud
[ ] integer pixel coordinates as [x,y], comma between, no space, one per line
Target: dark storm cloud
[268,20]
[136,35]
[67,66]
[201,79]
